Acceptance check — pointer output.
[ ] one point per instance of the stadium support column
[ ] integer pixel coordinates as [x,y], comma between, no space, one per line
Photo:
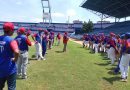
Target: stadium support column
[115,19]
[125,18]
[46,11]
[101,21]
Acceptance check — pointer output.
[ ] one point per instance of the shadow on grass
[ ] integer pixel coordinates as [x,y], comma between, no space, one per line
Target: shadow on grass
[112,79]
[80,47]
[105,58]
[111,72]
[92,52]
[33,56]
[110,68]
[102,64]
[103,54]
[59,51]
[19,79]
[32,59]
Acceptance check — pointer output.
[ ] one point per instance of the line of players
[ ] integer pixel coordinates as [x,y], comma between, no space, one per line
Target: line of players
[117,48]
[15,50]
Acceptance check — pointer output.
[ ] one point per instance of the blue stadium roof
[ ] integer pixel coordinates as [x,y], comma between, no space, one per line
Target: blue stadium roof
[115,8]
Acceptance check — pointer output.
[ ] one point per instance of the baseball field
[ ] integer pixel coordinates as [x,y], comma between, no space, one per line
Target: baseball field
[76,69]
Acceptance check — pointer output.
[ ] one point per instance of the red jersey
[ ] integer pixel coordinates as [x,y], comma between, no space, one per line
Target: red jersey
[65,39]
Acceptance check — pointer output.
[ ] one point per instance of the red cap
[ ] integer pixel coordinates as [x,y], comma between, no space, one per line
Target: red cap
[66,33]
[112,34]
[22,30]
[8,26]
[45,31]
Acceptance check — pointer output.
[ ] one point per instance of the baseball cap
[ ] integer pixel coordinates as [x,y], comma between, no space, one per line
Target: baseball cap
[21,30]
[127,35]
[112,34]
[8,26]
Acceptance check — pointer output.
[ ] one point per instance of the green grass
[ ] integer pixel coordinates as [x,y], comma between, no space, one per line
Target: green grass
[75,69]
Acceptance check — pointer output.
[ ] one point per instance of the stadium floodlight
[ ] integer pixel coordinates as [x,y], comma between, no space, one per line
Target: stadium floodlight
[46,11]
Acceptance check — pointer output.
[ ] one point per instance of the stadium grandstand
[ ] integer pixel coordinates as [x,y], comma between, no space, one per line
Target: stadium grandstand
[56,27]
[110,8]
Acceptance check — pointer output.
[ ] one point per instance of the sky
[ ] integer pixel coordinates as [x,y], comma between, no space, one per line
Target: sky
[31,11]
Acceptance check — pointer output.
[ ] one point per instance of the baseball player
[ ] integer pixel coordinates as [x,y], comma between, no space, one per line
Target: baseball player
[58,38]
[38,40]
[44,43]
[125,59]
[83,38]
[9,53]
[23,43]
[113,49]
[51,39]
[65,41]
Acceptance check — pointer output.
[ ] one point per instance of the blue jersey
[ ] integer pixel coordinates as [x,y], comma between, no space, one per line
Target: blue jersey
[38,37]
[128,46]
[44,41]
[96,41]
[86,39]
[105,40]
[22,44]
[91,38]
[7,66]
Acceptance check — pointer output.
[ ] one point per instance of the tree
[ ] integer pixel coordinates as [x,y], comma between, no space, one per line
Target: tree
[85,27]
[90,26]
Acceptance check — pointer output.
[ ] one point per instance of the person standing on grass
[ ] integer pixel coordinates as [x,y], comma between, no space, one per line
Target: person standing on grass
[38,41]
[113,49]
[121,50]
[53,38]
[9,53]
[23,43]
[125,59]
[44,43]
[65,41]
[87,41]
[50,42]
[83,38]
[58,38]
[96,43]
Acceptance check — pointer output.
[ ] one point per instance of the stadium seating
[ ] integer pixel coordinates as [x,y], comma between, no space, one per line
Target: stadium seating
[118,28]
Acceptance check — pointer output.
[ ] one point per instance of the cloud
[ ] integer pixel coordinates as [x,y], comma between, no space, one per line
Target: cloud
[71,12]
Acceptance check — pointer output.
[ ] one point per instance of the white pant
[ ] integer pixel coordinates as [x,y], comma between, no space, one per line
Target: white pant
[124,65]
[96,47]
[87,43]
[22,63]
[38,50]
[102,48]
[112,55]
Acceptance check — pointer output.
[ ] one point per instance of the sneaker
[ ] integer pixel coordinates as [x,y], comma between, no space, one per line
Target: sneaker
[44,59]
[122,79]
[125,80]
[24,77]
[18,75]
